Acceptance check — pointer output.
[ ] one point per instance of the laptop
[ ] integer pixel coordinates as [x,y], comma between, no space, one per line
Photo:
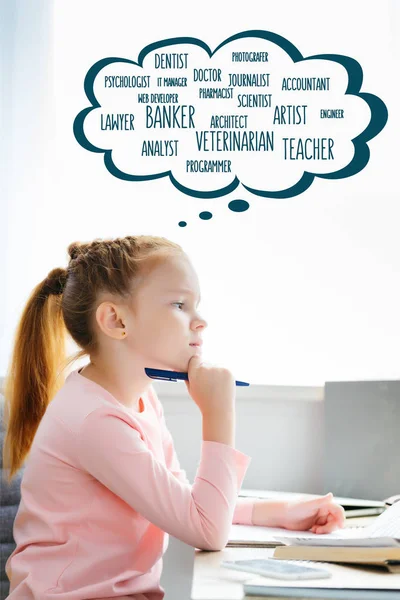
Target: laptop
[362,441]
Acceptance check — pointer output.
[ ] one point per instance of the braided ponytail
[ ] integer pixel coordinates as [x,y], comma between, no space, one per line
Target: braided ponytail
[66,302]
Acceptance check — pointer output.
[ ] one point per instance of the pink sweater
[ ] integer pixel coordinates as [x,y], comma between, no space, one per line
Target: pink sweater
[102,490]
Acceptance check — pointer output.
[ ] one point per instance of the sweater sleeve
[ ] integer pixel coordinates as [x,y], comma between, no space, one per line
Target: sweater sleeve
[244,506]
[200,515]
[243,511]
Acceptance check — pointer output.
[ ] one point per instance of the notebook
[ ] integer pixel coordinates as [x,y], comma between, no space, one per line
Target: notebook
[378,543]
[389,558]
[252,536]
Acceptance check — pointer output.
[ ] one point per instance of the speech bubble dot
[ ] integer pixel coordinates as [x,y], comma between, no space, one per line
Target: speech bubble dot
[238,205]
[205,215]
[182,223]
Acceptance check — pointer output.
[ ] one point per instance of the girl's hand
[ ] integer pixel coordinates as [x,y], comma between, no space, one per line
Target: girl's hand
[212,388]
[320,515]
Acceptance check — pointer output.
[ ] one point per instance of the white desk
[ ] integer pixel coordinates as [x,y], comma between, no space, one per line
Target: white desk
[212,582]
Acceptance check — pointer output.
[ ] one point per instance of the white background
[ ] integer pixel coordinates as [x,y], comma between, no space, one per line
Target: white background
[295,292]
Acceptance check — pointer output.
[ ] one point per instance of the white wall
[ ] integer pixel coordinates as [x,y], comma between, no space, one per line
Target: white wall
[26,157]
[296,292]
[280,428]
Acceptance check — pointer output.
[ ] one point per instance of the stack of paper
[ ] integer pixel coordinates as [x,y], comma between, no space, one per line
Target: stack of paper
[377,544]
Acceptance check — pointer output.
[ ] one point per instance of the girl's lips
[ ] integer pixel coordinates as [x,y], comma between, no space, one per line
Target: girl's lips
[197,347]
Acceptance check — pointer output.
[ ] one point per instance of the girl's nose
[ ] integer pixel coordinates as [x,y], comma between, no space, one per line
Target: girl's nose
[199,323]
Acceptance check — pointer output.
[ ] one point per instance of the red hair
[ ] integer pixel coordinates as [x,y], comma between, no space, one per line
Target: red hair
[66,302]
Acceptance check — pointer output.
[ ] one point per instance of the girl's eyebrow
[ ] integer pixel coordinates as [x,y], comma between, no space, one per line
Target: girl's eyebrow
[183,291]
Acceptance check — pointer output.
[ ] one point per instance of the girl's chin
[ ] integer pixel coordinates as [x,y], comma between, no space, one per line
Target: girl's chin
[181,365]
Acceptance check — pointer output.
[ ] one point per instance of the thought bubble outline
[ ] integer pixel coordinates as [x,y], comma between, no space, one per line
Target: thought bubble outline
[379,116]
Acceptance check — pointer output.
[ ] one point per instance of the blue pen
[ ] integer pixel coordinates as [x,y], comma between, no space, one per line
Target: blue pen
[174,375]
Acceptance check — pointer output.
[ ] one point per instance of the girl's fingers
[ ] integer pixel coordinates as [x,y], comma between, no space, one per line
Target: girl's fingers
[320,521]
[328,523]
[324,519]
[325,528]
[317,525]
[333,521]
[338,515]
[323,511]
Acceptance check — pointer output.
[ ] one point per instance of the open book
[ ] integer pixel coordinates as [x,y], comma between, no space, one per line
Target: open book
[377,544]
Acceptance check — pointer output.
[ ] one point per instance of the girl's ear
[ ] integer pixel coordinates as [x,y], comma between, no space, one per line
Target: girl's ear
[110,317]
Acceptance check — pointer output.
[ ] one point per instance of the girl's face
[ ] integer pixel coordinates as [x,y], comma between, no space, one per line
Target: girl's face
[165,322]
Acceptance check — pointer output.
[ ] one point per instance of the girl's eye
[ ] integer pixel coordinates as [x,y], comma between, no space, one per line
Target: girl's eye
[179,303]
